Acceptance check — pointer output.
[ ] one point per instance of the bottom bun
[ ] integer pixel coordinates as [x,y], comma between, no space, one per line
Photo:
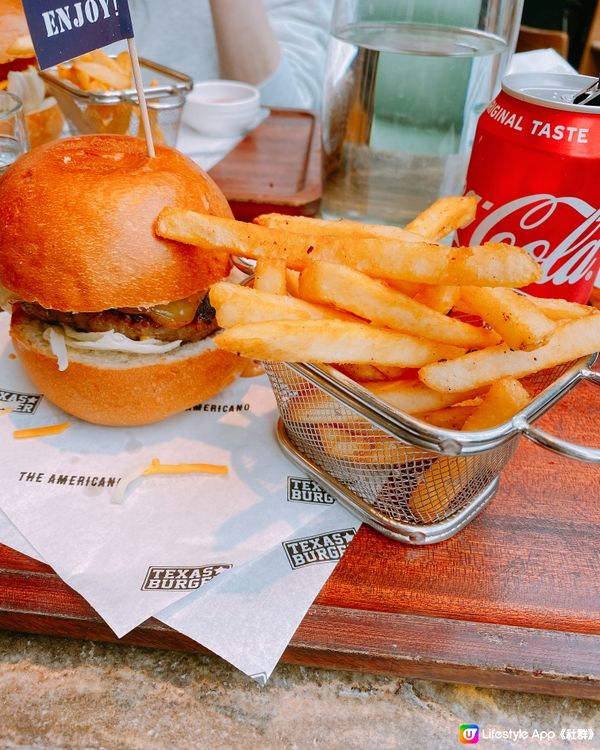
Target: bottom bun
[117,389]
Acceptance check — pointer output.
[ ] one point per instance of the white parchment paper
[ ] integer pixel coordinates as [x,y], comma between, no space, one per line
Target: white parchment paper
[12,537]
[172,533]
[248,616]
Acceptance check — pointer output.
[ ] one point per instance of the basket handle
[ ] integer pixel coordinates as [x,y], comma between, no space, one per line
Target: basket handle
[555,444]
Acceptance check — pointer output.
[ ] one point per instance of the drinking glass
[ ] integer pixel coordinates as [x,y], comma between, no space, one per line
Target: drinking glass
[405,83]
[13,133]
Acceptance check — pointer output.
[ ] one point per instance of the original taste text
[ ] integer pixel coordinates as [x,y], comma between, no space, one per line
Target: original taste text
[538,128]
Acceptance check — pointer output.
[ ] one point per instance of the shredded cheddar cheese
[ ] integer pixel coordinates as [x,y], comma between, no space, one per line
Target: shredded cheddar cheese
[34,432]
[157,468]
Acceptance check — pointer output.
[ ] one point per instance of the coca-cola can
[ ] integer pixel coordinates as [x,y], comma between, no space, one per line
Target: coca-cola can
[536,167]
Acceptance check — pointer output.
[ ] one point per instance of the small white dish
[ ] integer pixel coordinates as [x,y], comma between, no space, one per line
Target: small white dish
[222,108]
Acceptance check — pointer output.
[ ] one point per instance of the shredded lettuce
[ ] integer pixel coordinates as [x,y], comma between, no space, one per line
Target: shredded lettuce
[58,345]
[61,337]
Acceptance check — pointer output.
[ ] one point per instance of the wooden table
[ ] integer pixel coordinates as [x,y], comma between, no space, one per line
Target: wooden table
[513,601]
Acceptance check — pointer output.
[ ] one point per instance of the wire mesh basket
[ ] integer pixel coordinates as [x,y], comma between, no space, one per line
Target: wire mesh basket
[413,482]
[87,112]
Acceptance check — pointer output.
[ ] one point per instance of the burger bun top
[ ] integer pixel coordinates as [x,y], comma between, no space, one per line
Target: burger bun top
[77,225]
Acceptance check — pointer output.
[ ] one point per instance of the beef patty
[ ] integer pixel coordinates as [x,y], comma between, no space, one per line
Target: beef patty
[135,325]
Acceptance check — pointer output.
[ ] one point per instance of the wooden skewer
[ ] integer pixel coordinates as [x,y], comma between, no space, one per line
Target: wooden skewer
[137,77]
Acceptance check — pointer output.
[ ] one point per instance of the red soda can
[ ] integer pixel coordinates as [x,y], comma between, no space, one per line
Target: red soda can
[536,166]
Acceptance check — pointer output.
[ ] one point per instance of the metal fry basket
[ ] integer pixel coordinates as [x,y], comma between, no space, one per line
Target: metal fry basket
[117,111]
[409,480]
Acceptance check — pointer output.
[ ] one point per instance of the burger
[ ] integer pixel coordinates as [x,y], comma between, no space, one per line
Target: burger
[16,49]
[112,323]
[19,75]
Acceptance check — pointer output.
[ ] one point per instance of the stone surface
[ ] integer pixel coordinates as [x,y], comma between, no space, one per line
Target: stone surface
[71,695]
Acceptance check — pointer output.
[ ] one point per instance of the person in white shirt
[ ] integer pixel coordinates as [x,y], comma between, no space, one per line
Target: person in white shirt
[278,45]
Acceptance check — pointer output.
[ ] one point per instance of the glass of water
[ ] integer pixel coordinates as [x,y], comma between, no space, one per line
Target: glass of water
[405,83]
[13,133]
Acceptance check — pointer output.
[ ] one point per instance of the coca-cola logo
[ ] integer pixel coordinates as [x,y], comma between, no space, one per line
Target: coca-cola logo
[562,234]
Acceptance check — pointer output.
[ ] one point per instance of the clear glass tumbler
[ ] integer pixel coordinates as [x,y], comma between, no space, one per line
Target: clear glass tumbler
[406,81]
[13,133]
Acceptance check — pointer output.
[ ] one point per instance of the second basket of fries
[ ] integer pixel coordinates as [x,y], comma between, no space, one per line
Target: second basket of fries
[405,371]
[97,95]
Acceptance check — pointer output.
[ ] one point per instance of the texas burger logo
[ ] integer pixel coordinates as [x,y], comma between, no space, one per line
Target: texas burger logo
[162,578]
[25,403]
[302,490]
[328,547]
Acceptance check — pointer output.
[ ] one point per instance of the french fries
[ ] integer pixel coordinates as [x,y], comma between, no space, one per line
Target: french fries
[292,281]
[440,298]
[393,373]
[365,446]
[270,276]
[450,418]
[234,303]
[338,340]
[380,305]
[338,228]
[438,484]
[413,397]
[322,280]
[505,398]
[554,309]
[370,373]
[364,373]
[431,498]
[570,340]
[328,283]
[560,309]
[444,216]
[521,324]
[312,408]
[409,288]
[494,264]
[109,77]
[97,71]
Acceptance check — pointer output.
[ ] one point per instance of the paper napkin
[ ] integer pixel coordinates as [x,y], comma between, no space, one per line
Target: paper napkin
[123,559]
[249,615]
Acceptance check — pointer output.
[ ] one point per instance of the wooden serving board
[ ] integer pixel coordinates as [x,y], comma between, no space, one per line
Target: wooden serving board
[276,168]
[513,601]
